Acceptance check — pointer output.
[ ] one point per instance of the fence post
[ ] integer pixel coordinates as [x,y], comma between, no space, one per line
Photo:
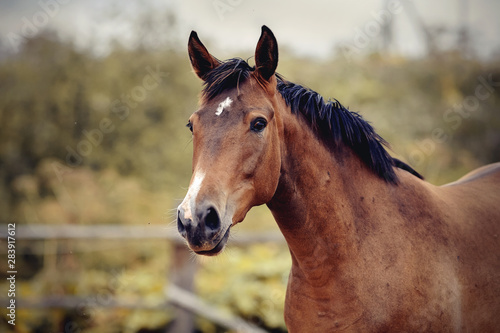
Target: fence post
[183,269]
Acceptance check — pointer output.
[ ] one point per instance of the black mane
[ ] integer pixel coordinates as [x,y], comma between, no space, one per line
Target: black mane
[330,119]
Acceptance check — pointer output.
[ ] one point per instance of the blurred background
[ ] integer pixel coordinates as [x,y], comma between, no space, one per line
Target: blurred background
[95,157]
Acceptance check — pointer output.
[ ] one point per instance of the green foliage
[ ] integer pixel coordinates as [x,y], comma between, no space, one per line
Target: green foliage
[122,112]
[249,283]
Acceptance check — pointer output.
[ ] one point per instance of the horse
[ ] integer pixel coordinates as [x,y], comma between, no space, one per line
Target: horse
[374,247]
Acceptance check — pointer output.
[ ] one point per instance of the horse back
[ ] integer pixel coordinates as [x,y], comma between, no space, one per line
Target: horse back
[475,198]
[488,173]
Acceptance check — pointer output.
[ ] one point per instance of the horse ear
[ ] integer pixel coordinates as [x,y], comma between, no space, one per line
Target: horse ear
[266,54]
[201,60]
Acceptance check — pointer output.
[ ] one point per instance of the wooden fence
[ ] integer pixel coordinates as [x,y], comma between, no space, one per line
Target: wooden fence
[178,294]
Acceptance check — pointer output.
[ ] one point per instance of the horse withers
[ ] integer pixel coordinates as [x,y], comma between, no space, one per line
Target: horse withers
[374,247]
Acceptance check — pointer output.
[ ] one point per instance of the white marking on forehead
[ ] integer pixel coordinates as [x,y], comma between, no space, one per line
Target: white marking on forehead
[190,200]
[225,104]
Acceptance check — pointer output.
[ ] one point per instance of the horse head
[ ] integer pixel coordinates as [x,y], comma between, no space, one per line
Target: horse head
[236,148]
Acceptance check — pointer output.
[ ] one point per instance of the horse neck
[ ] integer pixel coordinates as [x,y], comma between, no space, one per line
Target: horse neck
[319,196]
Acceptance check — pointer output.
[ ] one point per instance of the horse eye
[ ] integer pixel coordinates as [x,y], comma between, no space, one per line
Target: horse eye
[190,126]
[258,125]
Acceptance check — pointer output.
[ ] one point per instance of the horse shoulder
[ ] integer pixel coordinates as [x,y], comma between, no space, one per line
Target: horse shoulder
[459,226]
[474,210]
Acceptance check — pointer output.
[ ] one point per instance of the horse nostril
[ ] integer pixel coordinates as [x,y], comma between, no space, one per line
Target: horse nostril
[180,226]
[212,220]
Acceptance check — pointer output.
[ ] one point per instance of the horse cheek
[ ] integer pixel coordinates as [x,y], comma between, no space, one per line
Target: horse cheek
[269,173]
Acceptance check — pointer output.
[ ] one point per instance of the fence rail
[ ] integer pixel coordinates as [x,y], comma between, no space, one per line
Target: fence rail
[43,231]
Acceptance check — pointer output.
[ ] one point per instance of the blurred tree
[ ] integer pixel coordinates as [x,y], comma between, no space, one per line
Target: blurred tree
[122,111]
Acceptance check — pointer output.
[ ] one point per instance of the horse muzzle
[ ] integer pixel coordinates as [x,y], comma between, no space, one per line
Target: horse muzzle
[203,229]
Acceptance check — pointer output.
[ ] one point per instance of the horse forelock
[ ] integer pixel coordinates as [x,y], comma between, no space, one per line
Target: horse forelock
[228,75]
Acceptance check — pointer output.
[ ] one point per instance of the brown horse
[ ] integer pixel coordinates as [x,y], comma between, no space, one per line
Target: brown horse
[374,247]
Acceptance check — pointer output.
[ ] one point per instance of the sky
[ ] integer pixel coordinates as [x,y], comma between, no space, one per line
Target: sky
[308,27]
